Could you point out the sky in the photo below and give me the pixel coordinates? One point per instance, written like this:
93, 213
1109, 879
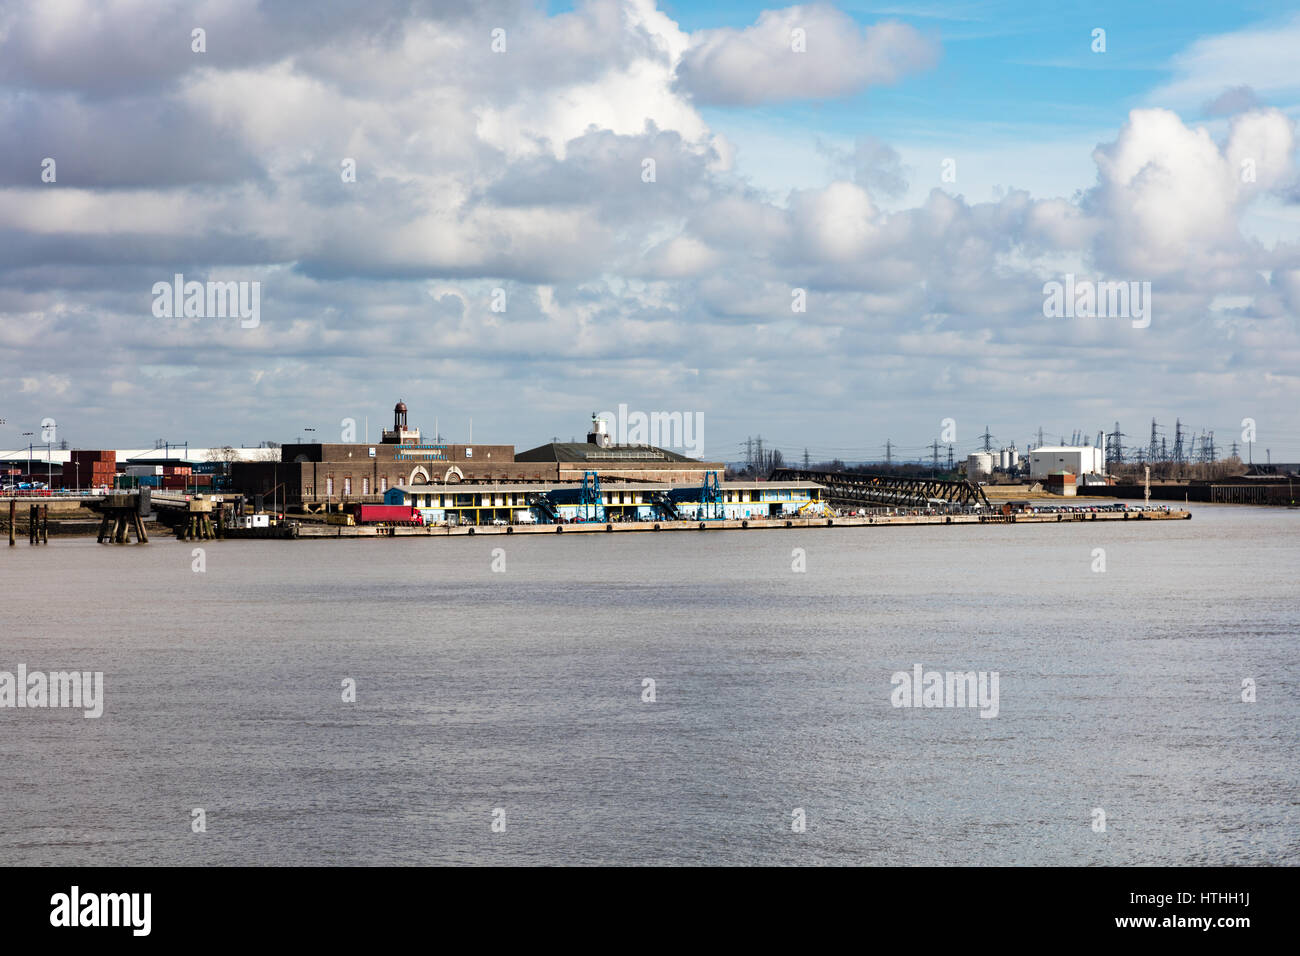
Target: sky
831, 225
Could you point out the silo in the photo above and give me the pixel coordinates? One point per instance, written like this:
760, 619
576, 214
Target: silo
979, 465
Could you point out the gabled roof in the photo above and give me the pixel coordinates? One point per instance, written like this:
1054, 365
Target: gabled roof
597, 455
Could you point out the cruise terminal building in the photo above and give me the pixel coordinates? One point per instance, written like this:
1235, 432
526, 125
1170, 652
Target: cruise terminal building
482, 483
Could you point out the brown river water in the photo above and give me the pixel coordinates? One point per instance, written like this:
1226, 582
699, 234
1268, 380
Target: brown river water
520, 691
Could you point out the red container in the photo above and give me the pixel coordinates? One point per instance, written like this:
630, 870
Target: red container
82, 454
372, 513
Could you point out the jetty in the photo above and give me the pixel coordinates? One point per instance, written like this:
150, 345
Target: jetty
314, 529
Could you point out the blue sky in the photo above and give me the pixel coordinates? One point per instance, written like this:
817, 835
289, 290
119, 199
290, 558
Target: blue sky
917, 176
1012, 75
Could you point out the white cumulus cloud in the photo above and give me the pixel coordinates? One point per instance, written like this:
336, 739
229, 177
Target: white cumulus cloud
803, 52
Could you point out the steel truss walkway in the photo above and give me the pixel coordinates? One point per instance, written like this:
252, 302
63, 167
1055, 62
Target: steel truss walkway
847, 488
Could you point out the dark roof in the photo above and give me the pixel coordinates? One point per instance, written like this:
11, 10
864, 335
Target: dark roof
573, 451
1275, 470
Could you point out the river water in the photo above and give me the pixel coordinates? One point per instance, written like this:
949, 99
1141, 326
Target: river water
516, 696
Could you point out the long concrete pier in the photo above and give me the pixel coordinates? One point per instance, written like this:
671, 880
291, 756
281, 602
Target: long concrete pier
319, 530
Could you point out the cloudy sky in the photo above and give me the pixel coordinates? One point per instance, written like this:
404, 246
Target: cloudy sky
560, 208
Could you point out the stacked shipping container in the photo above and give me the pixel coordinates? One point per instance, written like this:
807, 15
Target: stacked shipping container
168, 477
90, 469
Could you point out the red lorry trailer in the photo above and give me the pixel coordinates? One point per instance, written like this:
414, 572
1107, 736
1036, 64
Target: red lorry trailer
370, 514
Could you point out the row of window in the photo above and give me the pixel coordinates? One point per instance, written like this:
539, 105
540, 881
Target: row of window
519, 499
489, 500
469, 501
347, 486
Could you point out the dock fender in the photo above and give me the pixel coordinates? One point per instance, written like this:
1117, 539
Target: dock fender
559, 529
471, 530
656, 527
609, 527
948, 520
789, 524
701, 525
509, 530
744, 524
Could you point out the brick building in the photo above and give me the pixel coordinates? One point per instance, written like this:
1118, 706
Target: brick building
320, 475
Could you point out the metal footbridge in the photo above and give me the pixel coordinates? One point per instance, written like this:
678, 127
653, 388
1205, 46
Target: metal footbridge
853, 489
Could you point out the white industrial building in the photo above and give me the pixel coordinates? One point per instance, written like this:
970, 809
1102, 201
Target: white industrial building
1076, 459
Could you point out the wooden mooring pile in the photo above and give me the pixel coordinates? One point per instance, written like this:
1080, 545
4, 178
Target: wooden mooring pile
197, 524
38, 524
121, 514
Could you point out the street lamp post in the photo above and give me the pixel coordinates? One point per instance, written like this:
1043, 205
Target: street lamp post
29, 454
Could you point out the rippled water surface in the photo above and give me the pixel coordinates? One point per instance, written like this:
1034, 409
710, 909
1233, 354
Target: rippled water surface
522, 690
